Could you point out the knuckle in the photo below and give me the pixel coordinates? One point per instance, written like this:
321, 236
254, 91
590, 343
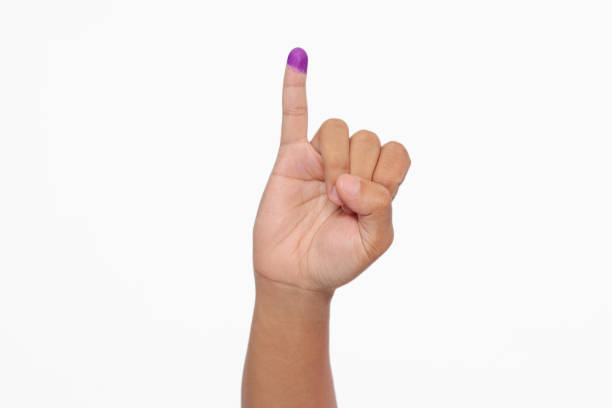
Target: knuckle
334, 125
366, 137
398, 151
395, 161
397, 148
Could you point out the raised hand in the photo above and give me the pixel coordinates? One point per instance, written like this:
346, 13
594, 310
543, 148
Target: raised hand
325, 215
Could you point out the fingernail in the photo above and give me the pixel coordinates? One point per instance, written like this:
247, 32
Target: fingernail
351, 184
334, 197
298, 59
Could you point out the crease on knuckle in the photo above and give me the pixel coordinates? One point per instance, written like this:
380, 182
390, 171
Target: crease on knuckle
295, 111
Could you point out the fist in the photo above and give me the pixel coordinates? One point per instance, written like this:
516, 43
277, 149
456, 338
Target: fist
325, 214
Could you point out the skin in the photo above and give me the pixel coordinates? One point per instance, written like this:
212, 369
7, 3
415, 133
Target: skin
324, 217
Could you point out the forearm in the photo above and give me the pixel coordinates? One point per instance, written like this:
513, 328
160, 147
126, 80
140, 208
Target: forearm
287, 363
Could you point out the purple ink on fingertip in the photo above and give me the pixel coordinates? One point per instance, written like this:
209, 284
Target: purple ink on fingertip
298, 59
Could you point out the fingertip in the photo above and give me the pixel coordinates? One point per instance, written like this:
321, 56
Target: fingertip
298, 60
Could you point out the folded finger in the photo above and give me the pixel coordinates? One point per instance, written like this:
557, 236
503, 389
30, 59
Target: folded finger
364, 152
332, 141
393, 164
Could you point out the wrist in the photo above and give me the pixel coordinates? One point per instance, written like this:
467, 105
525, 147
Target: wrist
281, 301
288, 359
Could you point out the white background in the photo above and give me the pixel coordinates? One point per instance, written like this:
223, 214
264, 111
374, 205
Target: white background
136, 138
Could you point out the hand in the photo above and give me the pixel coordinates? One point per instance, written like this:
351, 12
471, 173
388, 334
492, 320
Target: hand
325, 215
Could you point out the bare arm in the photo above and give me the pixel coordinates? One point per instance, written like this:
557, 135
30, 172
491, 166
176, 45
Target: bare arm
287, 363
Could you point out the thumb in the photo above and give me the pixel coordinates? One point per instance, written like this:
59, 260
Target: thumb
372, 204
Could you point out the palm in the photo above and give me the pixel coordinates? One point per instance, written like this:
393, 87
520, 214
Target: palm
300, 236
